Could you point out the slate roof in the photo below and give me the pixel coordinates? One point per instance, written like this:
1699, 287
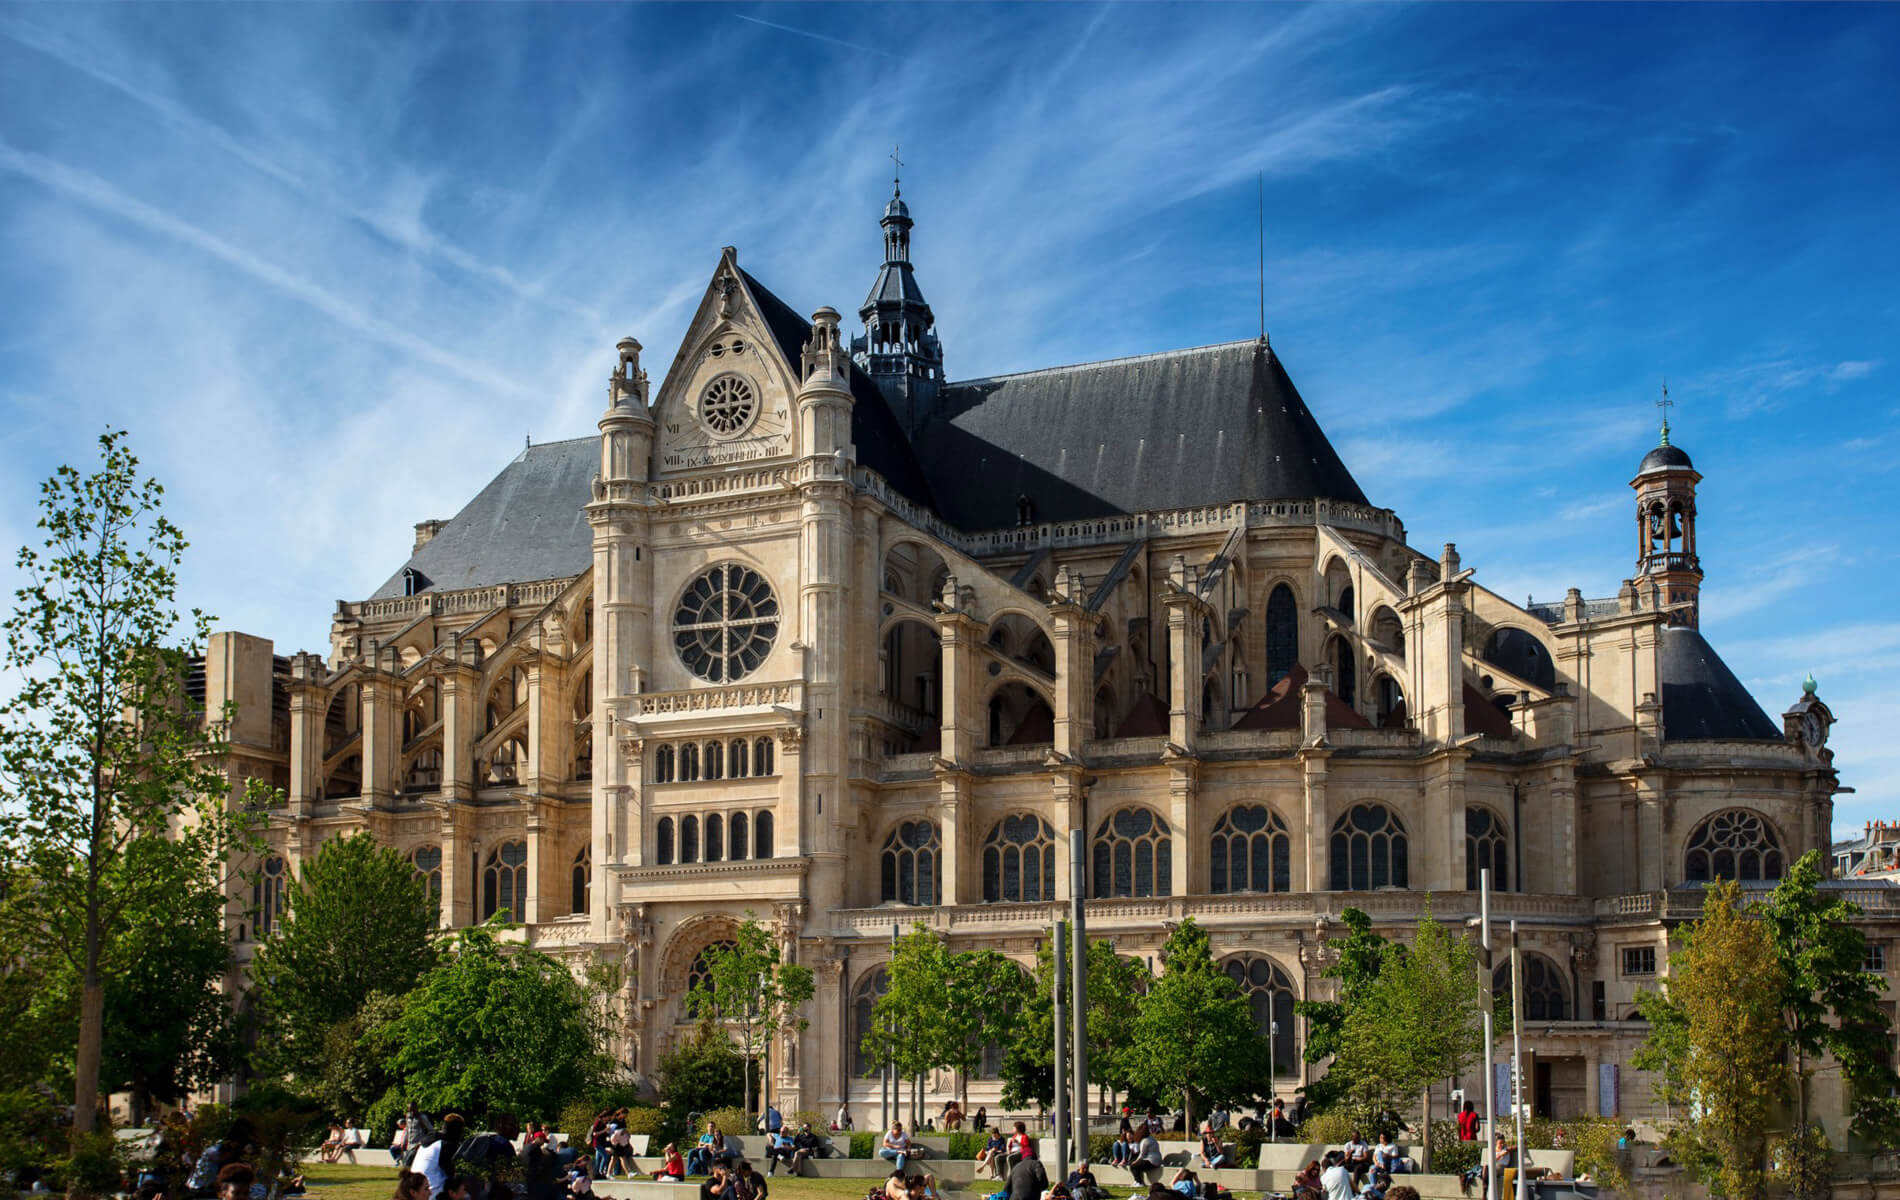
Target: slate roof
1175, 430
1702, 700
1664, 457
526, 524
874, 430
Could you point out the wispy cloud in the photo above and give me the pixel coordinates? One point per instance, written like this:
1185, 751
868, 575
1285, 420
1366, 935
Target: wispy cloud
818, 37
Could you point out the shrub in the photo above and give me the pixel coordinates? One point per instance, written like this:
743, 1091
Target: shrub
964, 1144
1449, 1155
1099, 1146
731, 1120
1599, 1157
1330, 1128
29, 1134
1246, 1147
575, 1119
809, 1116
645, 1119
94, 1166
863, 1145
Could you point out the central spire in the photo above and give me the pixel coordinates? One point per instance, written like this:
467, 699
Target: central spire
899, 349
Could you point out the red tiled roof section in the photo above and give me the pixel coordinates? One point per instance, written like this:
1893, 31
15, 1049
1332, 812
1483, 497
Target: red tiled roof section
1482, 716
1280, 707
1147, 718
1038, 727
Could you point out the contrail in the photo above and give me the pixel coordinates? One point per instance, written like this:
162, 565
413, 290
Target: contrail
821, 37
101, 196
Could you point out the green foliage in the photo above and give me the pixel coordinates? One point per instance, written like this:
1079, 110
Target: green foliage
486, 1032
288, 1125
1595, 1141
355, 1073
1114, 998
101, 746
29, 1132
1801, 1161
92, 1166
965, 1144
731, 1119
1415, 1022
749, 990
863, 1144
701, 1073
1451, 1156
1195, 1036
1246, 1143
1729, 986
357, 921
1830, 1006
645, 1119
1360, 954
1100, 1145
1333, 1127
903, 1020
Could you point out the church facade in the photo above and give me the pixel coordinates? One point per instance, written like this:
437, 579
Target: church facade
813, 633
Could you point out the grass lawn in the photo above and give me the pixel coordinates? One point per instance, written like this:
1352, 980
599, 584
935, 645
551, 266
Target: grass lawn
375, 1179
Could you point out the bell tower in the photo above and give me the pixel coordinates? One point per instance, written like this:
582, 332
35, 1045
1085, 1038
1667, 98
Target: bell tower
1665, 526
899, 349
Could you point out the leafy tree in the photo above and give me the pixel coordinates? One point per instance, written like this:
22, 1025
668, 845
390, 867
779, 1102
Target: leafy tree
983, 991
1359, 957
357, 922
751, 991
1195, 1034
1417, 1022
101, 745
1726, 987
1830, 1005
1115, 989
700, 1074
904, 1020
488, 1031
355, 1073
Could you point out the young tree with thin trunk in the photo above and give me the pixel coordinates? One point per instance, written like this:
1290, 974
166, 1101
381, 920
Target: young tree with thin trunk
101, 745
752, 991
1195, 1037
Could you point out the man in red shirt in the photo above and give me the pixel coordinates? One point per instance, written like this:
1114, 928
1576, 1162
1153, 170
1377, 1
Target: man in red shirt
1468, 1123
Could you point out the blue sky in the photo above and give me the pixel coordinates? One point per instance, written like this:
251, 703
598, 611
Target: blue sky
330, 264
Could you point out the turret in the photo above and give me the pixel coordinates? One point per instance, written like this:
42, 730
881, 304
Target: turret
824, 398
1665, 527
626, 428
899, 349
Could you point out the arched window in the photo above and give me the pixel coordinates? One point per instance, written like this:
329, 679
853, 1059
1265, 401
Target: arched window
1347, 606
736, 758
267, 894
582, 898
736, 836
762, 836
715, 837
427, 860
911, 863
699, 976
863, 1000
1545, 995
505, 881
1283, 634
1250, 852
663, 842
689, 763
1133, 855
663, 765
762, 757
1270, 994
1485, 846
715, 760
1019, 860
1368, 850
1345, 670
689, 839
1736, 844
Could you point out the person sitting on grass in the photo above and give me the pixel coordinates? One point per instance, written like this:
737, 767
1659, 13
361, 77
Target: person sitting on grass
1377, 1186
1082, 1184
923, 1187
897, 1186
672, 1165
1185, 1182
1306, 1183
748, 1184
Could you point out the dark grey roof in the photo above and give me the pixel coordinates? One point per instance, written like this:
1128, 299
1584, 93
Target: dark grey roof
1174, 430
880, 441
896, 283
1664, 457
526, 524
1702, 700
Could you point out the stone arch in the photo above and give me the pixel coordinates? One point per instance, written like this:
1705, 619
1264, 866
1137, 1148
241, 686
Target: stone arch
1282, 630
1368, 849
687, 942
1487, 844
1271, 993
1388, 701
916, 566
870, 985
1387, 629
1020, 712
1022, 641
1523, 654
1546, 989
1338, 590
1132, 854
911, 656
1250, 850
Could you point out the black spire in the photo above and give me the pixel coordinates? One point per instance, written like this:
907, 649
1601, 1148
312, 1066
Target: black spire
899, 349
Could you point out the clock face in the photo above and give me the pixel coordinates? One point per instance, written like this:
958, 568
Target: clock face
730, 417
1813, 729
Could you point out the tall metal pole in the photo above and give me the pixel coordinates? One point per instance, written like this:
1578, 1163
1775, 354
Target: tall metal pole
1517, 1059
1079, 1006
1490, 1054
1057, 977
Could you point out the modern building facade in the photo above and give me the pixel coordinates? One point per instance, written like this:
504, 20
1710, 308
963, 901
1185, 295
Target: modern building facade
812, 632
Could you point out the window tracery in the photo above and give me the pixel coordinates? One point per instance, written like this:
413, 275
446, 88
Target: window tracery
1250, 851
1133, 855
1019, 860
1369, 850
1737, 844
910, 864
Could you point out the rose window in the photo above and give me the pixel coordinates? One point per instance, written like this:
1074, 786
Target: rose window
728, 405
726, 623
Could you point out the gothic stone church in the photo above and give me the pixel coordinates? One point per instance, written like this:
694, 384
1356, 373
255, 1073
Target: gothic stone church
813, 632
